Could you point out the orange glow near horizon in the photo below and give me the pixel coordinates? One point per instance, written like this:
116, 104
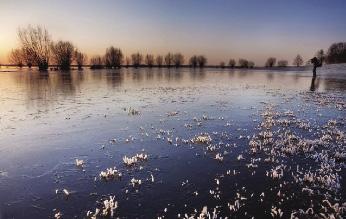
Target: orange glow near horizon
215, 54
7, 43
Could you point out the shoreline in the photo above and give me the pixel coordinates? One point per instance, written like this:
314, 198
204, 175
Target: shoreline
173, 67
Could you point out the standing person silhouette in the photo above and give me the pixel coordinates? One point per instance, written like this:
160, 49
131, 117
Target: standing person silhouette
317, 63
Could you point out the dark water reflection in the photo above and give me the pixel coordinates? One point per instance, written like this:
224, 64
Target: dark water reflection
37, 85
49, 119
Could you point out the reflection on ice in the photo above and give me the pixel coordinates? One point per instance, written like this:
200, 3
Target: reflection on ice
167, 143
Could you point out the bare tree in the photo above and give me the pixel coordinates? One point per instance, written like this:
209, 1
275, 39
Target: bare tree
282, 63
231, 63
251, 64
270, 62
127, 61
16, 57
194, 61
80, 58
96, 62
136, 59
159, 61
113, 57
243, 63
149, 60
169, 59
28, 58
178, 60
337, 53
201, 60
36, 42
63, 52
298, 60
222, 64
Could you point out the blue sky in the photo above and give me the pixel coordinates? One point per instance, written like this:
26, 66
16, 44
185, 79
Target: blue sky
220, 29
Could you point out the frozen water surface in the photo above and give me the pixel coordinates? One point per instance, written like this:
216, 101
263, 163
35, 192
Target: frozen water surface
198, 143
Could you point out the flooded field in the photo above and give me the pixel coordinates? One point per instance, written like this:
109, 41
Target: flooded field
173, 143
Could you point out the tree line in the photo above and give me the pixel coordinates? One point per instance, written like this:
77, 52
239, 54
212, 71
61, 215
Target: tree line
114, 58
271, 62
36, 48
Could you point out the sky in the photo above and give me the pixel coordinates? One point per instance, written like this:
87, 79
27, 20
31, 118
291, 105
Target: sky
219, 29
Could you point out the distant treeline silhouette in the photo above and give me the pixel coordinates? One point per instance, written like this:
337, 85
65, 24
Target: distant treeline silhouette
36, 48
336, 53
